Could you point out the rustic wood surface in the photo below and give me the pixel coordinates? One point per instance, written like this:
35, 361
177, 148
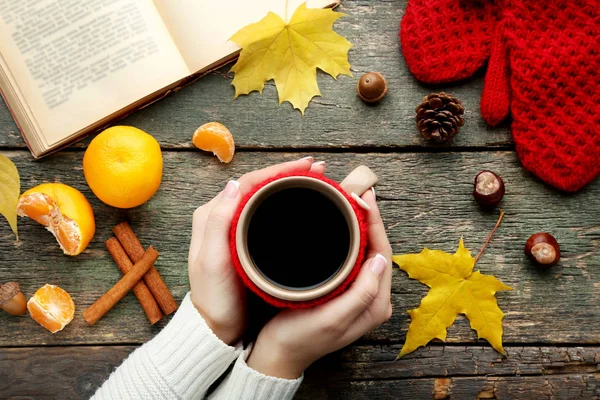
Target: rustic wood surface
552, 323
358, 372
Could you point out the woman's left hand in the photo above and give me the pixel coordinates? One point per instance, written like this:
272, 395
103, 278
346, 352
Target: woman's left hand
216, 290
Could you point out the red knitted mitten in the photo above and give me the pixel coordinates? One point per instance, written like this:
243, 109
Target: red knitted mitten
545, 67
447, 40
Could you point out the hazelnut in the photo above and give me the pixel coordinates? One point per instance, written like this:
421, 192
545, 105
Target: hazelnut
372, 87
11, 299
543, 249
488, 189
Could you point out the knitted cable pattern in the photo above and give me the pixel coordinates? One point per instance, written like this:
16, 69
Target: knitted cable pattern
553, 50
495, 99
361, 215
447, 40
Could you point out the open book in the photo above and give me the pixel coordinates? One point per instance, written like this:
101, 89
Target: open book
71, 67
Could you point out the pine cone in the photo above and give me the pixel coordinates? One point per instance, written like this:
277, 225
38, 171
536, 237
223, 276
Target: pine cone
439, 117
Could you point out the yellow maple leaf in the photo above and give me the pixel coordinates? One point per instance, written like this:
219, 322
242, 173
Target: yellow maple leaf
10, 188
290, 53
454, 289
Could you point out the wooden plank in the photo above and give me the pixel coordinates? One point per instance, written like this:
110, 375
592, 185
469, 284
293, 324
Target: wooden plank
357, 372
571, 386
57, 372
338, 119
425, 200
364, 362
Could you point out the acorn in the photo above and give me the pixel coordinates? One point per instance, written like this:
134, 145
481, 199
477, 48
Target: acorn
11, 299
543, 249
488, 189
372, 87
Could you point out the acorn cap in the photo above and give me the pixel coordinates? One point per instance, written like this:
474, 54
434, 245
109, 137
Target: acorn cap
372, 87
8, 291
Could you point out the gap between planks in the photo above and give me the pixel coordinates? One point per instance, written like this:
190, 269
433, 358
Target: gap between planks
499, 147
359, 343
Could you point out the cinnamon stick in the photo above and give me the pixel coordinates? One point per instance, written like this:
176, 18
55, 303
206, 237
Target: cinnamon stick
140, 289
125, 284
135, 250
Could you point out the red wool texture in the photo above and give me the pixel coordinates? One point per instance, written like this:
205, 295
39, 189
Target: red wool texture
362, 222
447, 40
544, 70
547, 72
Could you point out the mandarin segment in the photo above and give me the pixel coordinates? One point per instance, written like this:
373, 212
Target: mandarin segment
215, 137
36, 206
51, 307
64, 211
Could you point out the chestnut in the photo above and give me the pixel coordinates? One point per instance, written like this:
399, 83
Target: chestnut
488, 189
11, 299
543, 249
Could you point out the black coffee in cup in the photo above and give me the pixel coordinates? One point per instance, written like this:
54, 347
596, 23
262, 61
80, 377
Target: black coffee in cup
298, 238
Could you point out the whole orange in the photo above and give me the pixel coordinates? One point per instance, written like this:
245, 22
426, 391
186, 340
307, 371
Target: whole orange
123, 166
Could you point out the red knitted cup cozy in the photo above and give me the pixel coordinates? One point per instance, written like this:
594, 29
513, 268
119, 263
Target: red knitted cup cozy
544, 69
361, 215
447, 40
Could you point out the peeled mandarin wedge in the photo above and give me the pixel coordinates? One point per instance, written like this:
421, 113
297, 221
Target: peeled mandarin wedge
64, 211
51, 307
215, 137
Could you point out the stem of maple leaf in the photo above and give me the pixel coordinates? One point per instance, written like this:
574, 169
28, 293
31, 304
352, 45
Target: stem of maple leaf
285, 14
490, 236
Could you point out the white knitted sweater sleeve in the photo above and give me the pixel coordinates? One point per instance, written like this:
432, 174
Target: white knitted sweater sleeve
184, 360
244, 383
181, 362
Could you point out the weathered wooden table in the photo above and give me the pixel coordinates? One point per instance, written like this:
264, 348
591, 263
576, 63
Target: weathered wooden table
552, 323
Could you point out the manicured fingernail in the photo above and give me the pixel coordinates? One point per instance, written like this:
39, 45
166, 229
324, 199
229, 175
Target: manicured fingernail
360, 201
373, 191
378, 264
309, 158
320, 163
232, 189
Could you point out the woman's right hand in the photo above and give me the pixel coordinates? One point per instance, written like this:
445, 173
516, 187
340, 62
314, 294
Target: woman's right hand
294, 339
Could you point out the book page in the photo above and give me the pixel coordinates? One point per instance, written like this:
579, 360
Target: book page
78, 61
202, 28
